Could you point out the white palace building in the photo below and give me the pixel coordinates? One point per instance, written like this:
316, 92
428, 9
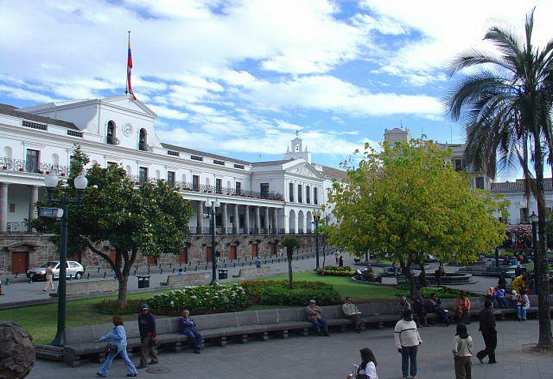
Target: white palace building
258, 200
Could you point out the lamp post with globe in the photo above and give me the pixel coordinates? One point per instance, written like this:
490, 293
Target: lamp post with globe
51, 182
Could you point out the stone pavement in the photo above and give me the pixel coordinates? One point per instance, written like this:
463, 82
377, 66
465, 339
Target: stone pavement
331, 358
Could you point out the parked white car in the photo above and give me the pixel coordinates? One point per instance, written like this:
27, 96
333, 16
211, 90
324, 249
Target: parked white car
74, 270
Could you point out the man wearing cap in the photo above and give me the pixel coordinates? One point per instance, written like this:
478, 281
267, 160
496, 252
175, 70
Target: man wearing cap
147, 327
314, 315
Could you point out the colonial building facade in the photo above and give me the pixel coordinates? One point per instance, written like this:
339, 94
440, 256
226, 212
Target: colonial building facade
259, 201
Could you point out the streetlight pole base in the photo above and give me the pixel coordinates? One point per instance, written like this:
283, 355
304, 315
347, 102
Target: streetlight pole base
59, 339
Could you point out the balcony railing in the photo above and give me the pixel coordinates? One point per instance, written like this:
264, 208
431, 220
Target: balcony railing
208, 189
31, 167
17, 227
206, 230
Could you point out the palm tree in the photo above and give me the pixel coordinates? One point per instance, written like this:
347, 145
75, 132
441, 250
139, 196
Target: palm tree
507, 108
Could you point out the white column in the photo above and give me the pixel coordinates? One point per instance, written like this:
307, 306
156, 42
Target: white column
267, 220
225, 218
3, 207
236, 220
257, 220
275, 220
247, 207
286, 221
32, 205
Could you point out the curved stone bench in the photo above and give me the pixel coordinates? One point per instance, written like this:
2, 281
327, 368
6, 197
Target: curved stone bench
81, 342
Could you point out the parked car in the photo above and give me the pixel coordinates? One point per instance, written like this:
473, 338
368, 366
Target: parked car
74, 270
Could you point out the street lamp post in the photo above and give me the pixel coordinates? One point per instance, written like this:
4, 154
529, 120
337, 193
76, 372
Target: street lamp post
316, 219
80, 183
213, 204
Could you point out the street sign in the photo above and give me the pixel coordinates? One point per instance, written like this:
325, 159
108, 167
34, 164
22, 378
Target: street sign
50, 212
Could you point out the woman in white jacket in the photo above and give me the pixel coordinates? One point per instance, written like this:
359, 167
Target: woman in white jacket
407, 341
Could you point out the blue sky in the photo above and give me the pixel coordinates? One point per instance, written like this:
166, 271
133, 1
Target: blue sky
240, 77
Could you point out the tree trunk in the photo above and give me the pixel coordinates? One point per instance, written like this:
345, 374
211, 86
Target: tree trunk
411, 279
122, 295
290, 278
540, 269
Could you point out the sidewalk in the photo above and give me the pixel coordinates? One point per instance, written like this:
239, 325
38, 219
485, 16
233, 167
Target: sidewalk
32, 292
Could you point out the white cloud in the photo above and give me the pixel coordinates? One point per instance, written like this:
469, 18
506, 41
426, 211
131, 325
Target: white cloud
449, 28
328, 93
23, 94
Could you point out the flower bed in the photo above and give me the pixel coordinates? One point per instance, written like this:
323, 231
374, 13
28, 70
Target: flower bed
270, 292
201, 300
337, 271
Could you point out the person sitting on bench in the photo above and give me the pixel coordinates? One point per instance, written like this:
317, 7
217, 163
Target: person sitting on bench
353, 313
315, 317
188, 327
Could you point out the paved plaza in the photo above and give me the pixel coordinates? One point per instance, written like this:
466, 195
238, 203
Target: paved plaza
331, 358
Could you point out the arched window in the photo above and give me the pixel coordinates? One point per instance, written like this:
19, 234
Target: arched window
143, 140
55, 162
7, 157
8, 152
111, 133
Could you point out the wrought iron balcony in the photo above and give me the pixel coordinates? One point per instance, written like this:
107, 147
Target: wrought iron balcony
31, 167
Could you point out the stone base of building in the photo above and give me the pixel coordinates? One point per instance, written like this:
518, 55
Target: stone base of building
19, 252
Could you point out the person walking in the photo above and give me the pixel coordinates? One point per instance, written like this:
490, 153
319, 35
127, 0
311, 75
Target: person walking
147, 328
367, 368
117, 340
523, 304
49, 285
407, 340
489, 333
462, 353
315, 316
188, 327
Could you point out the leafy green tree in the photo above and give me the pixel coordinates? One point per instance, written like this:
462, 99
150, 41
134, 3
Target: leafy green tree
406, 202
506, 100
151, 219
291, 244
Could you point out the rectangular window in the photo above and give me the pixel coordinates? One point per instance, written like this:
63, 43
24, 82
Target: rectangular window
34, 125
219, 185
32, 160
315, 196
74, 133
142, 175
524, 215
264, 189
291, 192
196, 182
173, 153
171, 178
300, 193
308, 194
12, 208
480, 182
196, 158
459, 165
238, 186
240, 166
221, 163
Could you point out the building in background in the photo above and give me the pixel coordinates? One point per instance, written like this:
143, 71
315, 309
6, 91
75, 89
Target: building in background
259, 200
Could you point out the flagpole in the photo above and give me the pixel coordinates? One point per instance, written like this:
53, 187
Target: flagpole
126, 71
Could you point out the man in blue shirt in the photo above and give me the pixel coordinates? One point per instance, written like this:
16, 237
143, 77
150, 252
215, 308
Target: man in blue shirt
188, 327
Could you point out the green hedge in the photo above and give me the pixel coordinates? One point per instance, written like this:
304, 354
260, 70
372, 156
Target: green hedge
277, 293
201, 300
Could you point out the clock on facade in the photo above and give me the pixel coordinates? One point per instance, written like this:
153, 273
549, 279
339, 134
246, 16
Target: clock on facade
127, 130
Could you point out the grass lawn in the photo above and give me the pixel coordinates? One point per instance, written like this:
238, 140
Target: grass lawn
40, 320
346, 287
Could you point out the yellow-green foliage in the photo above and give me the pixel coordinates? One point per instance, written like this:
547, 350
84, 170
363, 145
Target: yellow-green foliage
407, 201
